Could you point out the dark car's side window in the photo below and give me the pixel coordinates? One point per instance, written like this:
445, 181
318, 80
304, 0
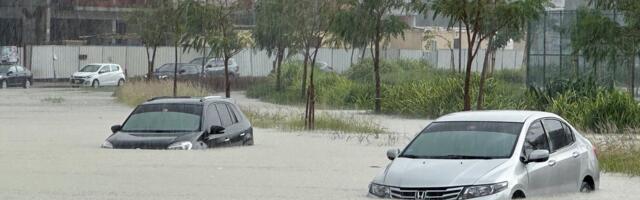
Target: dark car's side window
19, 69
234, 117
213, 118
569, 133
225, 117
557, 134
536, 138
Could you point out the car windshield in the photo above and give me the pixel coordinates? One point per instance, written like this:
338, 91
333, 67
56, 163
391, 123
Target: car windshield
164, 118
465, 140
169, 67
197, 61
90, 68
4, 68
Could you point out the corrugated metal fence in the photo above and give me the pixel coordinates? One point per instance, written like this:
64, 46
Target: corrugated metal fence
69, 59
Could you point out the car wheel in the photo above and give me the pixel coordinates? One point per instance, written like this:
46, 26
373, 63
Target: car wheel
586, 187
4, 84
95, 84
27, 84
120, 82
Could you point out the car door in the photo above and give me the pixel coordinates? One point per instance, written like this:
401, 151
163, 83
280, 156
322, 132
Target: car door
212, 119
539, 173
240, 130
115, 74
12, 76
21, 75
231, 127
565, 156
103, 75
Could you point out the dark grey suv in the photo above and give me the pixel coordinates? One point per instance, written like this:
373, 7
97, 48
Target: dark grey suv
182, 123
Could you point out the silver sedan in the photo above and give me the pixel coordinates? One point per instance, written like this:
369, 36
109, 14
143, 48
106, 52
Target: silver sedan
490, 155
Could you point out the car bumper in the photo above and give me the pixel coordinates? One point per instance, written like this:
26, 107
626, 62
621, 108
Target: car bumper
503, 195
80, 82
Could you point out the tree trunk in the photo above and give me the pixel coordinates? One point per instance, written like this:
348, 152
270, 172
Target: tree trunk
453, 60
311, 95
149, 72
279, 56
227, 84
305, 63
483, 75
493, 62
175, 71
633, 75
467, 77
376, 70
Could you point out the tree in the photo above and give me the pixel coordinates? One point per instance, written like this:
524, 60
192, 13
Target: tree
315, 18
371, 22
151, 30
200, 28
274, 30
430, 36
480, 19
604, 39
226, 41
176, 19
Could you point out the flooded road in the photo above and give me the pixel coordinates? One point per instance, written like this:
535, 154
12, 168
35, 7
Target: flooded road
49, 149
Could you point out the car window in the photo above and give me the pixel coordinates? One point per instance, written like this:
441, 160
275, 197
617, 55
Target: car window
536, 138
115, 68
105, 69
568, 133
213, 118
234, 117
12, 69
225, 117
19, 69
557, 135
164, 118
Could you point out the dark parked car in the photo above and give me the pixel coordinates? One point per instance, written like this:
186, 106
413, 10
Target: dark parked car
15, 75
182, 123
185, 70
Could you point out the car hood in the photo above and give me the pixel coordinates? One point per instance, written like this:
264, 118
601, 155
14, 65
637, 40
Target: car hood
133, 140
84, 73
406, 172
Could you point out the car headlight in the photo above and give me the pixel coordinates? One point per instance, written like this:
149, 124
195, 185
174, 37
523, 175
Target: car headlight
107, 145
483, 190
180, 146
378, 190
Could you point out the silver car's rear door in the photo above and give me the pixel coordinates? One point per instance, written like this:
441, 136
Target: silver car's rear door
565, 156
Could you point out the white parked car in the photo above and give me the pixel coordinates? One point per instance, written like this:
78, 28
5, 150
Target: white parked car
99, 74
491, 155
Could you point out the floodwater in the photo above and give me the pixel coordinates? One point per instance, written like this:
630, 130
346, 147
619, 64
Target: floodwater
50, 150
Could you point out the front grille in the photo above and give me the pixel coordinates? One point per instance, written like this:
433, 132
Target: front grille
440, 193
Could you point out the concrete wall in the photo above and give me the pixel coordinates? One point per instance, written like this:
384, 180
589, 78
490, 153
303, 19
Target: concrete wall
252, 62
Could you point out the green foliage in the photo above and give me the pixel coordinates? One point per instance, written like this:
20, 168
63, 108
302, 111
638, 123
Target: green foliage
324, 121
136, 92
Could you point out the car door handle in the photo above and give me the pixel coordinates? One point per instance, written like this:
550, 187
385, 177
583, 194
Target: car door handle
551, 163
226, 139
242, 134
575, 154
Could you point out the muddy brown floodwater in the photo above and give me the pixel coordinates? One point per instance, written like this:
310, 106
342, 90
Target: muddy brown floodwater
50, 150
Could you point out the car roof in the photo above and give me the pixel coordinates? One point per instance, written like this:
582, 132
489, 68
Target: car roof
495, 116
101, 64
187, 100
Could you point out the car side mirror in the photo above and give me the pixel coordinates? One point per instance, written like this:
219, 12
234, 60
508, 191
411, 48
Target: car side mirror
116, 128
216, 130
9, 73
182, 71
393, 153
538, 156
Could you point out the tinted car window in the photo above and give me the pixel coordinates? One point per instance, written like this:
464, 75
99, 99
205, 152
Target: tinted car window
19, 69
213, 118
234, 117
225, 117
115, 68
569, 134
159, 118
459, 140
536, 138
90, 68
12, 69
557, 134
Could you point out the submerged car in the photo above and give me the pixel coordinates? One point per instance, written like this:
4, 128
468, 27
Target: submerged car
15, 75
490, 155
215, 68
182, 123
185, 71
98, 75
